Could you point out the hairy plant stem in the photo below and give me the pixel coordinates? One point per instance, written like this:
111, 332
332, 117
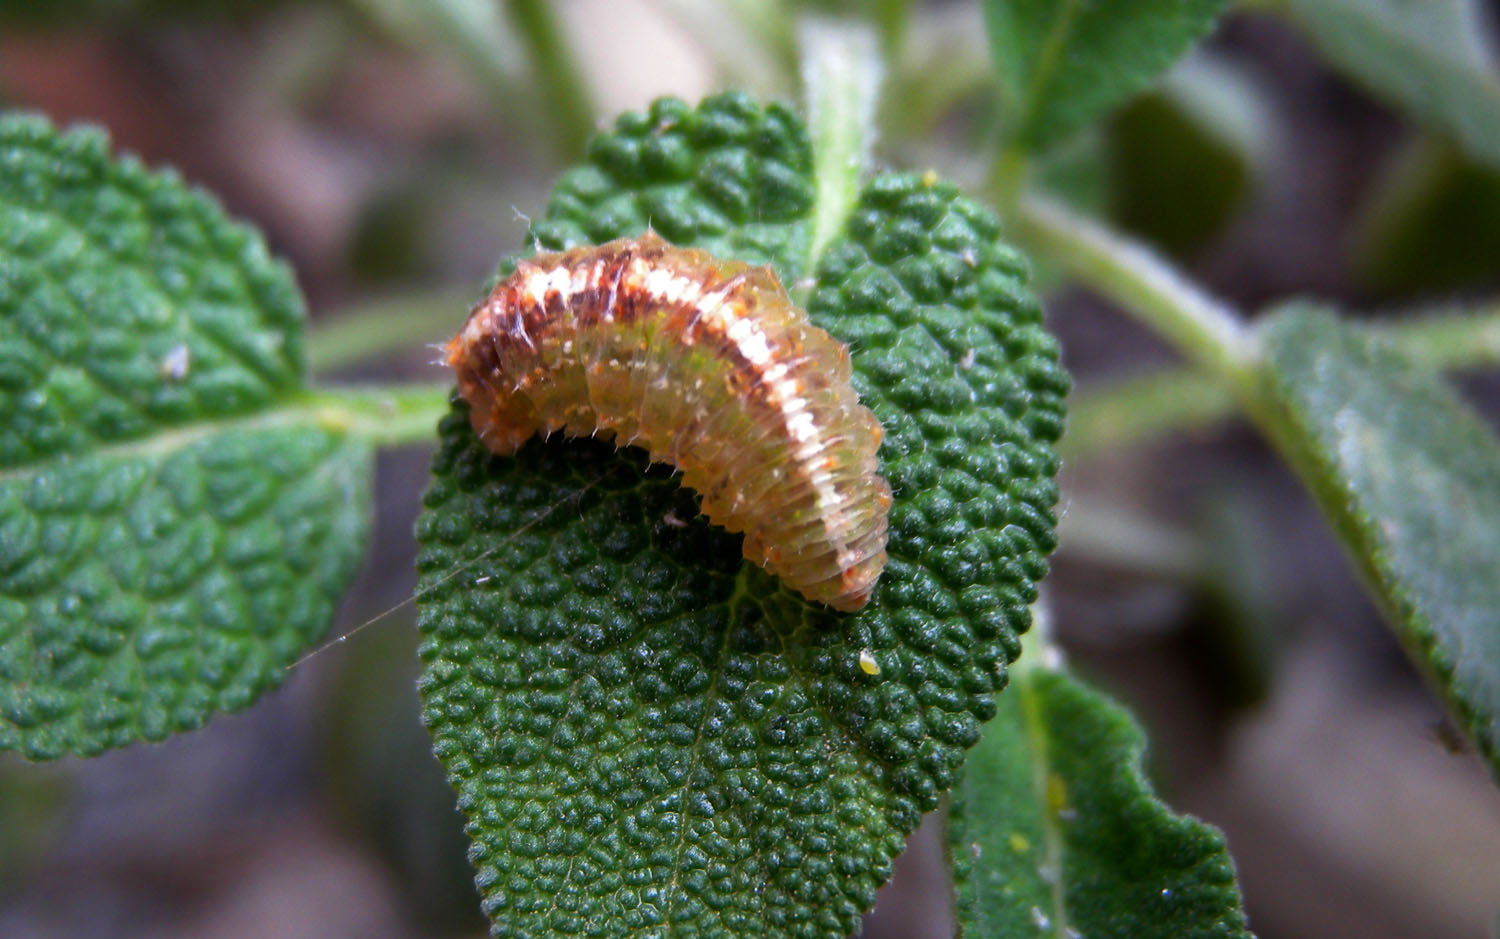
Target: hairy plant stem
1206, 331
841, 75
382, 415
1133, 410
1225, 370
386, 327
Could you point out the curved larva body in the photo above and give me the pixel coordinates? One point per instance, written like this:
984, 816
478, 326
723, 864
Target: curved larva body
708, 366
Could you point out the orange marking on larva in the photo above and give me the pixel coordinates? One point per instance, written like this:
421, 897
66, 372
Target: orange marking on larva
708, 366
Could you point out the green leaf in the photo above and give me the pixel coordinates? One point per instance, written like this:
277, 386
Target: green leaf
1410, 479
1432, 224
1202, 136
1055, 831
1064, 63
175, 525
650, 736
1428, 57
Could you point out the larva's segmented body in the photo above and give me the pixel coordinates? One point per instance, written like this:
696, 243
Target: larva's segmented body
709, 366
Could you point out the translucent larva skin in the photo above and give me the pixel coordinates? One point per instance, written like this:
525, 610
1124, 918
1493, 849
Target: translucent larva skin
708, 366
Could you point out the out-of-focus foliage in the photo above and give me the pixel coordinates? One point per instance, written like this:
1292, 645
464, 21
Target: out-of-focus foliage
1431, 58
1184, 156
1063, 65
55, 14
1433, 223
1410, 479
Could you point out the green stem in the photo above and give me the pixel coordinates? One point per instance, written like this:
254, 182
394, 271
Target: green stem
1127, 411
1133, 410
384, 416
557, 73
1007, 176
370, 331
841, 78
1453, 340
1204, 330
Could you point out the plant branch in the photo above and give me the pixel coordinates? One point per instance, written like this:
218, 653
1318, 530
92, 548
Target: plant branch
558, 75
1128, 411
841, 79
1457, 339
1133, 410
893, 17
1207, 332
1109, 533
385, 416
370, 331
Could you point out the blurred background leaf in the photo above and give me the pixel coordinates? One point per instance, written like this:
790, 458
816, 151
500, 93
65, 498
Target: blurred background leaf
1434, 59
1062, 65
1409, 477
1432, 223
1184, 156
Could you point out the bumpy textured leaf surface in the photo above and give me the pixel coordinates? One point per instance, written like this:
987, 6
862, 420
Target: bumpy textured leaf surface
169, 539
1429, 57
1410, 478
650, 737
1063, 63
1054, 830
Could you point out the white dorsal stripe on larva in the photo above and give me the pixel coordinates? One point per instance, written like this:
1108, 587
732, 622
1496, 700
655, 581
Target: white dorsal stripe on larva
670, 287
535, 291
583, 275
756, 349
773, 375
711, 305
799, 421
752, 343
